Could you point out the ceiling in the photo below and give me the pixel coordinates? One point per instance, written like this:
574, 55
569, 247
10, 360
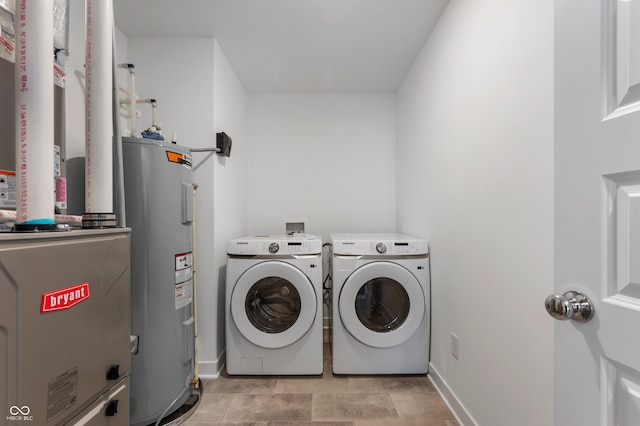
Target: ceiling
297, 45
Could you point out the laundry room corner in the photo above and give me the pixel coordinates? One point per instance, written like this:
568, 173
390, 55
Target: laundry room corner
314, 212
199, 90
229, 187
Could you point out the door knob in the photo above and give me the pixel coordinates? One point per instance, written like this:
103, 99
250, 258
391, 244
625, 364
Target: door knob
571, 305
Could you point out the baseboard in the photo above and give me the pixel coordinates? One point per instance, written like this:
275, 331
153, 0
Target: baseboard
462, 415
211, 369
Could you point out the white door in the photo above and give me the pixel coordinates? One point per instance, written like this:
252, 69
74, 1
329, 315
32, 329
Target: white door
597, 210
273, 304
382, 304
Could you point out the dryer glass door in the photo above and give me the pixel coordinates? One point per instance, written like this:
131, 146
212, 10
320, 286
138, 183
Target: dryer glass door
273, 304
382, 304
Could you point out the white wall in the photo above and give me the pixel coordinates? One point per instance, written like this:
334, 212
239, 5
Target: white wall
475, 177
326, 157
198, 94
178, 73
230, 198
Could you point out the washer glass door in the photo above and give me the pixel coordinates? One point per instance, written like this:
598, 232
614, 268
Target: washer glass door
382, 304
273, 304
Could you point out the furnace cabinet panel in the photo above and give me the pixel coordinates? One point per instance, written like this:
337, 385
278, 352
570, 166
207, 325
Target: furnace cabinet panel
65, 326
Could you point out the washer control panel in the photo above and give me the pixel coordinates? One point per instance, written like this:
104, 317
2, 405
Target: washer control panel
275, 245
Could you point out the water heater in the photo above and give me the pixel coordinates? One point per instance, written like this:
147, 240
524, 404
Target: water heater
159, 209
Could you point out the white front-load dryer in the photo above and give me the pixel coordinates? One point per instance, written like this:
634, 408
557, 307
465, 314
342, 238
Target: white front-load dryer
274, 305
381, 304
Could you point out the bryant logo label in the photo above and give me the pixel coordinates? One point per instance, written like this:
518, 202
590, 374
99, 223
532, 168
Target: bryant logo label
64, 298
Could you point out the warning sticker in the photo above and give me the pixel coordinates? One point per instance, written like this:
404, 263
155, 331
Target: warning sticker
61, 192
56, 161
184, 267
7, 31
184, 279
179, 158
7, 189
184, 294
62, 393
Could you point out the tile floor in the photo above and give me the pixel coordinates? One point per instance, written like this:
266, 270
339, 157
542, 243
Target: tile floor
321, 401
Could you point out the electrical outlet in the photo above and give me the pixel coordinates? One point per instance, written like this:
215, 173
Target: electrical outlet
454, 345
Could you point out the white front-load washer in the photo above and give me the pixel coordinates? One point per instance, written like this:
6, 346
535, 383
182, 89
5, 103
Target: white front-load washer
381, 304
274, 305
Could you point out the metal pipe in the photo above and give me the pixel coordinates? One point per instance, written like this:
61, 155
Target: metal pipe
204, 149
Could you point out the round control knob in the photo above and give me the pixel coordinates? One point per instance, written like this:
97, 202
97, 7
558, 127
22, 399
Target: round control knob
274, 247
381, 248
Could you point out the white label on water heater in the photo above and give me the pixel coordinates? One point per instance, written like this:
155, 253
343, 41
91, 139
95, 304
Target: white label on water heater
184, 267
184, 294
184, 279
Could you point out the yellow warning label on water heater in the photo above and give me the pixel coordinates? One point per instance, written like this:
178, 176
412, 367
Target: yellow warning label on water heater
179, 158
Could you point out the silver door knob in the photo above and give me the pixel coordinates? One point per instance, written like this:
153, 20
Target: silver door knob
571, 305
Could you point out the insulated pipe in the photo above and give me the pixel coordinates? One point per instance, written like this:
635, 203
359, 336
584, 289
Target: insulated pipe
99, 117
34, 115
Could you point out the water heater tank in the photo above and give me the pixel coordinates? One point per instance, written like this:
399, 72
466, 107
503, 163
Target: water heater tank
159, 210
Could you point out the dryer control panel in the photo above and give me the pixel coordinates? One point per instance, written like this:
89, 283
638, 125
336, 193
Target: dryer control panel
378, 244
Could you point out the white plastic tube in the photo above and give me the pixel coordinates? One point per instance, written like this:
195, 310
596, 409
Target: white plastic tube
99, 119
34, 112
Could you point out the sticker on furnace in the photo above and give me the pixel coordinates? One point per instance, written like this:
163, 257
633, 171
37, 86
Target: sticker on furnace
64, 298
